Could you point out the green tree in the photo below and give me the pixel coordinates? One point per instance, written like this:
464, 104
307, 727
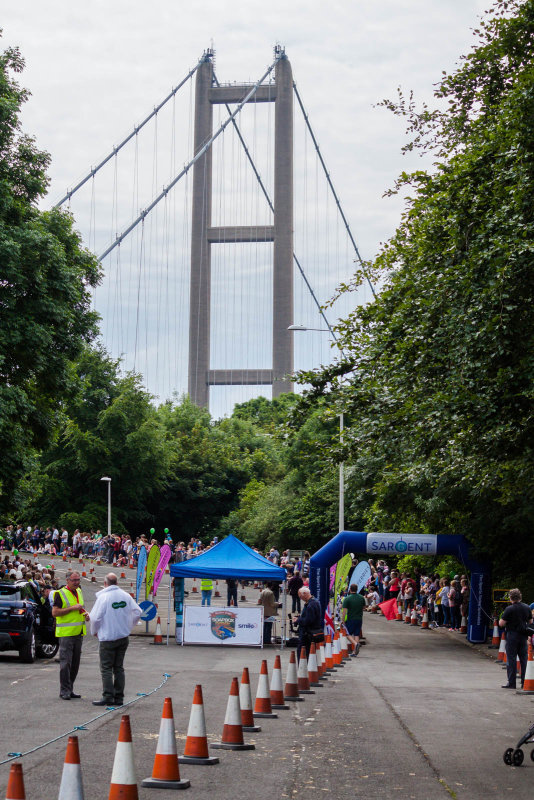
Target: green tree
44, 293
109, 427
441, 367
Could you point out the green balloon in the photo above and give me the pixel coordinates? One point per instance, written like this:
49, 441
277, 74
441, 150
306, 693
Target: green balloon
165, 530
152, 530
15, 552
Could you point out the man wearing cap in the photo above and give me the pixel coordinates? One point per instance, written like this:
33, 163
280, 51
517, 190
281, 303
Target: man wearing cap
113, 616
70, 615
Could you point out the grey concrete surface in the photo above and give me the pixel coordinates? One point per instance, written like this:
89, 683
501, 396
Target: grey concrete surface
419, 714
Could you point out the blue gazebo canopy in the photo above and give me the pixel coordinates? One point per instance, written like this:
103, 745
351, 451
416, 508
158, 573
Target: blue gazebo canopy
229, 559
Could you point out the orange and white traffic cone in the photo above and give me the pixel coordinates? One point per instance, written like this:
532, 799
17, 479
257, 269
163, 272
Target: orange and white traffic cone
496, 637
194, 590
158, 638
501, 657
413, 620
245, 701
321, 662
424, 622
277, 689
408, 617
166, 772
398, 618
217, 592
196, 743
502, 648
123, 575
123, 781
313, 667
329, 658
15, 783
71, 787
291, 688
528, 683
463, 624
336, 651
262, 706
344, 645
232, 737
303, 679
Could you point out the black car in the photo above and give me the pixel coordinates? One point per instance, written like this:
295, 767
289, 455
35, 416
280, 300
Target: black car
26, 622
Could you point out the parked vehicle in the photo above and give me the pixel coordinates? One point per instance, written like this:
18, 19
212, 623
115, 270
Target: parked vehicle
26, 622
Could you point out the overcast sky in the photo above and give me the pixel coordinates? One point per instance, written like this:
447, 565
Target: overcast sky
96, 68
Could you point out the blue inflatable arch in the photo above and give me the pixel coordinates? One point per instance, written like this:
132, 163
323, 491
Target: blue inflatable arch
382, 545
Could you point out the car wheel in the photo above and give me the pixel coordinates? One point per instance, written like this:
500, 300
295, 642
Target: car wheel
47, 649
27, 652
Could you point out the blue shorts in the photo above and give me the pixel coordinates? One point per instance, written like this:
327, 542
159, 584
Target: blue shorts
354, 626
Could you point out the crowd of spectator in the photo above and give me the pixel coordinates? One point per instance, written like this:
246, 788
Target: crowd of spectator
445, 600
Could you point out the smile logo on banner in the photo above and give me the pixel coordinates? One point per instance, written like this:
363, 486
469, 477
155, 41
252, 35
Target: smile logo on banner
401, 546
223, 624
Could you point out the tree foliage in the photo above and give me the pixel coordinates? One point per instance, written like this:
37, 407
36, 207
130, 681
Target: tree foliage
44, 297
442, 388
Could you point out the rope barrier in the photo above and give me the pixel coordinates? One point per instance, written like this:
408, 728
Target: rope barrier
83, 726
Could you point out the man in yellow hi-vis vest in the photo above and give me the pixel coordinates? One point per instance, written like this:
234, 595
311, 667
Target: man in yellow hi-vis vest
70, 616
206, 588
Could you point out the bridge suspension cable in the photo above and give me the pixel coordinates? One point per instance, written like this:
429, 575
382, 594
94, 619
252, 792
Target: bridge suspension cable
130, 136
191, 163
329, 181
271, 206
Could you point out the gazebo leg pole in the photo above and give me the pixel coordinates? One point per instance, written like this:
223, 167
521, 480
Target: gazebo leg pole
284, 615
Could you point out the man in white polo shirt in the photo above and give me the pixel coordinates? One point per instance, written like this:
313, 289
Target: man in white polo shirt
112, 617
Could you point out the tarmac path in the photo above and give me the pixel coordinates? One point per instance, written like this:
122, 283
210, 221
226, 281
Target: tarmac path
418, 715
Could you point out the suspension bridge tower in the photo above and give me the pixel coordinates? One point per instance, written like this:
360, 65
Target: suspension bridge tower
280, 233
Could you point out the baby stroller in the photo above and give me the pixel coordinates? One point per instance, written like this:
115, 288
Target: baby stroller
514, 756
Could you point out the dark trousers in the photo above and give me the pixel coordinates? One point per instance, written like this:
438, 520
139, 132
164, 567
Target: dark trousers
70, 651
231, 594
112, 669
305, 640
295, 604
267, 631
516, 645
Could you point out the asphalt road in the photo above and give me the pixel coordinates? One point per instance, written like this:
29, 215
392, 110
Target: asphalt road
419, 714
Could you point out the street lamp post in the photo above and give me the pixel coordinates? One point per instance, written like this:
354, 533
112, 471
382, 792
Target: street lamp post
108, 480
341, 509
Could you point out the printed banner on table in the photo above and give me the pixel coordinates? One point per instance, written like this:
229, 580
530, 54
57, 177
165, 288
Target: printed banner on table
342, 571
228, 626
141, 564
164, 559
151, 565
